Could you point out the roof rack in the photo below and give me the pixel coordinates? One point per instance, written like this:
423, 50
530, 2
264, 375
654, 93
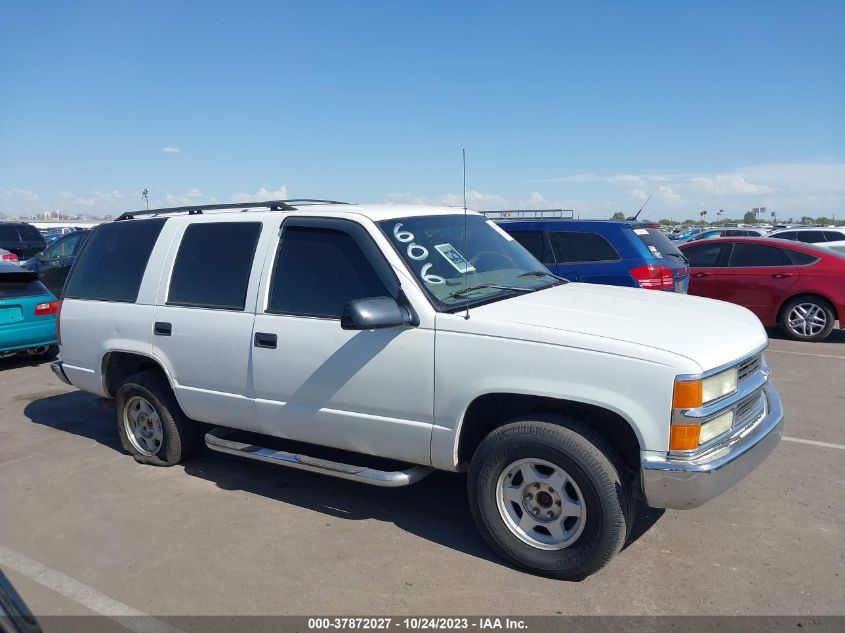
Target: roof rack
531, 214
273, 205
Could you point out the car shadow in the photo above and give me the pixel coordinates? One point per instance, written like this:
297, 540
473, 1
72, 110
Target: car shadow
21, 359
435, 509
836, 336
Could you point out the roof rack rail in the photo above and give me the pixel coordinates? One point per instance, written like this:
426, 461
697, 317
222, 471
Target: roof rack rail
273, 205
531, 214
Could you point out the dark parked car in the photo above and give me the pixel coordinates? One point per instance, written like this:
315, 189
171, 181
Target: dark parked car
618, 253
798, 287
22, 239
53, 264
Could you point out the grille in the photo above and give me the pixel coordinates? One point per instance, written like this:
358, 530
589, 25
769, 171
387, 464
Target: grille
750, 409
749, 367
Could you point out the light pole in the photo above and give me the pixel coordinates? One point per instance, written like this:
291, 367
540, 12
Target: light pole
145, 194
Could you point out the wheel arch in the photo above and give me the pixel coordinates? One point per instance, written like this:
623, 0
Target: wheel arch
117, 365
492, 410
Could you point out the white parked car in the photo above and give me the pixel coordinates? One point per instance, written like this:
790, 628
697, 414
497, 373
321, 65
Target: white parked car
827, 237
428, 337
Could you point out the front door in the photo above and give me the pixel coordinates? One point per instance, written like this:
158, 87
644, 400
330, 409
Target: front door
368, 391
758, 276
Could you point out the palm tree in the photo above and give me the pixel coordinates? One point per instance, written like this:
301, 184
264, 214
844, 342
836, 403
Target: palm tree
702, 214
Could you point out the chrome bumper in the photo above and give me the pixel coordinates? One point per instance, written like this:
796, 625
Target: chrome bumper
680, 484
56, 366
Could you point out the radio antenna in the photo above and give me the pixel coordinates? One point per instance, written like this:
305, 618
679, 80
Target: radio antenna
466, 238
637, 214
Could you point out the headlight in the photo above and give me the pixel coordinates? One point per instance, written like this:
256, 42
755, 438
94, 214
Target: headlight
715, 427
691, 394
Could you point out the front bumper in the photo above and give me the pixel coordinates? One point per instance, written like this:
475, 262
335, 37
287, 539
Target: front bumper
680, 484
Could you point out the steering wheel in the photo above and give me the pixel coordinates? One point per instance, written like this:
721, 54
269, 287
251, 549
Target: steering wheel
509, 263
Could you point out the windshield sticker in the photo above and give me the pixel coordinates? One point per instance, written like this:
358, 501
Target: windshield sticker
458, 261
500, 231
655, 252
640, 231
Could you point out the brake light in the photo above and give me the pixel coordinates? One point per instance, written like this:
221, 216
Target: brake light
654, 277
59, 322
46, 309
9, 257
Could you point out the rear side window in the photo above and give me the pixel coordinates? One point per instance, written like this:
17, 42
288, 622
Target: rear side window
29, 233
113, 260
536, 244
811, 237
8, 233
21, 284
571, 247
213, 265
750, 255
789, 235
704, 256
658, 244
318, 271
800, 259
834, 236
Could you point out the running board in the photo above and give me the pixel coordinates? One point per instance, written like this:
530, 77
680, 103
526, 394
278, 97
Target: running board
217, 440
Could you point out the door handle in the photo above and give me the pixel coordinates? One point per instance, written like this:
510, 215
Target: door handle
263, 339
782, 275
701, 274
162, 328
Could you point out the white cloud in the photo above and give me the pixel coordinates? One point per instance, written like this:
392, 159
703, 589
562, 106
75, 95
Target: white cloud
728, 184
536, 198
475, 199
261, 195
170, 150
190, 198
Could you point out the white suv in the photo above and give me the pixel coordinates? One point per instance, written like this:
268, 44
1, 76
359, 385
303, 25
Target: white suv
832, 238
404, 339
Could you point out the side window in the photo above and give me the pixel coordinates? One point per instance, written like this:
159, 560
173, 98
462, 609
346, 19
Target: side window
213, 265
570, 247
704, 256
834, 236
789, 235
811, 237
318, 271
751, 255
535, 243
63, 247
112, 264
8, 233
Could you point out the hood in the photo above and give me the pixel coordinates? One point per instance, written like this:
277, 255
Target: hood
708, 332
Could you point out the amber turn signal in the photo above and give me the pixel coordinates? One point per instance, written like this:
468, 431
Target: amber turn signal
684, 437
688, 394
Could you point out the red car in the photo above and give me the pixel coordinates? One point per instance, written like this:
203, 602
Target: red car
796, 286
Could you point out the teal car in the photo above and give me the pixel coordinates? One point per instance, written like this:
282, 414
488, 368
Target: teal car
27, 314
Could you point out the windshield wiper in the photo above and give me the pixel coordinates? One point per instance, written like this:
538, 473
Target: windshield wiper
458, 293
543, 273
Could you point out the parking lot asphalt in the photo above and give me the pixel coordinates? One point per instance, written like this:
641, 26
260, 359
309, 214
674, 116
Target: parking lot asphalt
85, 529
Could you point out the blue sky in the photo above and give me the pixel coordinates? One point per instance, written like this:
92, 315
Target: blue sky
591, 106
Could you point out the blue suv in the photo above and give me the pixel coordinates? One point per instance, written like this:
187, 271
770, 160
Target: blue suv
619, 253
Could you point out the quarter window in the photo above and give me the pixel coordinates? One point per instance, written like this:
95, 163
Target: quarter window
833, 236
113, 260
213, 265
800, 259
571, 247
318, 271
751, 255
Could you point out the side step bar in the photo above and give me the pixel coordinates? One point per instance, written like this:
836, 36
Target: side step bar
216, 439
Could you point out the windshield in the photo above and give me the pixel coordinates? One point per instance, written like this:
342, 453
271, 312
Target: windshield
457, 268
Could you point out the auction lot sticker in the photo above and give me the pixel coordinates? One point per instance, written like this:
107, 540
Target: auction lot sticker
454, 257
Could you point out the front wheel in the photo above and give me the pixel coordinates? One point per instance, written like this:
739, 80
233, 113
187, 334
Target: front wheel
549, 495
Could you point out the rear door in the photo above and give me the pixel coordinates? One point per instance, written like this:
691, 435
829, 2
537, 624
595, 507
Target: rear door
204, 314
758, 276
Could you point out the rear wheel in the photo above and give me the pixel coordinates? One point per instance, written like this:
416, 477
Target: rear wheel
151, 425
807, 318
548, 494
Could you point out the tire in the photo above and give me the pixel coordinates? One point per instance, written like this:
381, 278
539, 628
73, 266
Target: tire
562, 450
49, 353
150, 423
806, 318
